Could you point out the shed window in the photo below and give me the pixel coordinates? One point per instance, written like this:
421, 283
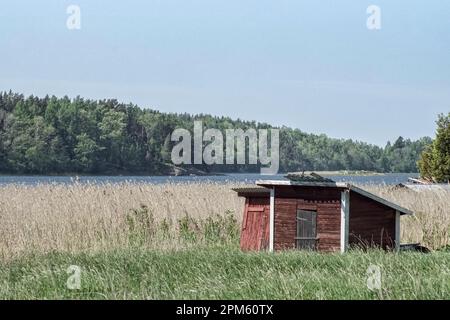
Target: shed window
306, 230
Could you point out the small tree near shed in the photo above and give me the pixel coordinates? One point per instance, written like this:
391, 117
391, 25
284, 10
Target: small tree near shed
434, 164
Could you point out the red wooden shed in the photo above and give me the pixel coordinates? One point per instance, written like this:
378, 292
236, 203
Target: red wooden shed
317, 214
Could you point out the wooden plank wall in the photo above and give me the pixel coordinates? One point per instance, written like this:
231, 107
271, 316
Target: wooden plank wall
255, 224
327, 203
371, 223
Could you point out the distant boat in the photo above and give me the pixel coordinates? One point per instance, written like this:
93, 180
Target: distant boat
75, 179
418, 181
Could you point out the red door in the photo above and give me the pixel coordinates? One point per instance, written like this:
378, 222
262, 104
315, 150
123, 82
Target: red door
255, 227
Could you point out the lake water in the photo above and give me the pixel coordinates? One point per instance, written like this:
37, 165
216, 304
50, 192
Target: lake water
388, 179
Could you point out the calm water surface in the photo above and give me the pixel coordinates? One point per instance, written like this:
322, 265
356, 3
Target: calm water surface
389, 179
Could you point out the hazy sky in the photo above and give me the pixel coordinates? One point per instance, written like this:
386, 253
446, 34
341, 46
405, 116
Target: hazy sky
312, 64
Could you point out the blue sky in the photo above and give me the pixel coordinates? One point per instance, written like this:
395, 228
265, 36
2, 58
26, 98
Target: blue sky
312, 65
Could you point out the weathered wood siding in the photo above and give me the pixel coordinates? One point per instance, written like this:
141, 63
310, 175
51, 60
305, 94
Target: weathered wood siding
327, 203
371, 223
255, 224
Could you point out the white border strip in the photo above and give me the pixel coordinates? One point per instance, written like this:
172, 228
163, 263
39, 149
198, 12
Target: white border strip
272, 218
397, 230
345, 217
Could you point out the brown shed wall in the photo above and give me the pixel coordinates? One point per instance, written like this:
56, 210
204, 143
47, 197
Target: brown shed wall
327, 203
371, 223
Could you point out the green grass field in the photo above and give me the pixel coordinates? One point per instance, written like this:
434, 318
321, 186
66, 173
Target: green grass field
136, 241
223, 272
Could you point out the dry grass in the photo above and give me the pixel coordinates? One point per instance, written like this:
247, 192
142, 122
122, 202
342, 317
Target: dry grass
92, 217
83, 217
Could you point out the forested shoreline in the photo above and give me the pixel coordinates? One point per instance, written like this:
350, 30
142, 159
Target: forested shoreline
53, 135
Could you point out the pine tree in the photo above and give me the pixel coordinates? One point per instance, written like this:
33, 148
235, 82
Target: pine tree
434, 164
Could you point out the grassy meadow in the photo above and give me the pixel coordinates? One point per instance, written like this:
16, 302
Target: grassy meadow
141, 241
223, 272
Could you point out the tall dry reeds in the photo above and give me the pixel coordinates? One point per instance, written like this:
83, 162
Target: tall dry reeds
89, 217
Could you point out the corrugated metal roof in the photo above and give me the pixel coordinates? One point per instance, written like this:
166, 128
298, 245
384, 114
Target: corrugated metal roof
301, 183
426, 187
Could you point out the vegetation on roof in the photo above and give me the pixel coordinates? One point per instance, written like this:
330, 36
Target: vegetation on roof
311, 177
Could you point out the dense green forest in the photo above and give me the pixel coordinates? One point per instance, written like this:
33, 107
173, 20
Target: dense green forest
53, 135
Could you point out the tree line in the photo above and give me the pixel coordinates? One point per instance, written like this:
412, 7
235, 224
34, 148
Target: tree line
53, 135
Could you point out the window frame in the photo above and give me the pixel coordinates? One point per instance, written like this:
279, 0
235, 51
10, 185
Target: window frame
309, 243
